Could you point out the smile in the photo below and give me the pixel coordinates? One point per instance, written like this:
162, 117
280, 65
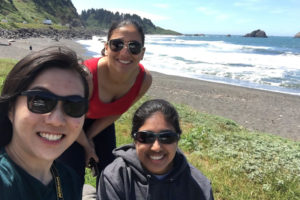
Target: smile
124, 61
156, 157
51, 137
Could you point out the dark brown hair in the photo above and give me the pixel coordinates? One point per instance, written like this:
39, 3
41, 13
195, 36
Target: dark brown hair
148, 108
25, 72
123, 23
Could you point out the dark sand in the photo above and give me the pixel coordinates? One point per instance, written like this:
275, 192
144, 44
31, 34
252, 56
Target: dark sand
259, 110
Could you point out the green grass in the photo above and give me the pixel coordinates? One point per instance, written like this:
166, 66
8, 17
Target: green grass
16, 25
5, 67
240, 164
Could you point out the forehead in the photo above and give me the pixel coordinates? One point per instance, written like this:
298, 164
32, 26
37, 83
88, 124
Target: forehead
127, 32
62, 82
156, 123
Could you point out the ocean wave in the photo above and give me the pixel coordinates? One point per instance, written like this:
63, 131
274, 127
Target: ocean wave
239, 61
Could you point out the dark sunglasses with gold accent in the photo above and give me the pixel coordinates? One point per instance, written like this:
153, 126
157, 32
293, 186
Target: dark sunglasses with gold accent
117, 45
149, 137
41, 102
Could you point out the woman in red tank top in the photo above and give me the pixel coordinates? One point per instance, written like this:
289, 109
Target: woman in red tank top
117, 81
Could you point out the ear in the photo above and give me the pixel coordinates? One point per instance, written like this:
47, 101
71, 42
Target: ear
11, 115
105, 49
142, 53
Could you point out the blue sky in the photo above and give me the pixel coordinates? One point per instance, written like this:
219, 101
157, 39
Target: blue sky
236, 17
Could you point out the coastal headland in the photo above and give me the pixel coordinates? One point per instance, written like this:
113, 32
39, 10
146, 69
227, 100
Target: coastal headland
258, 110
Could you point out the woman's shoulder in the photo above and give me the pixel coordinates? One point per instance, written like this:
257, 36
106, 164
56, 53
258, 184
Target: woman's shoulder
114, 168
188, 168
91, 61
6, 165
148, 77
125, 156
197, 175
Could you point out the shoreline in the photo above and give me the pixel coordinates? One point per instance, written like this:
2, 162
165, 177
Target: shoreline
258, 110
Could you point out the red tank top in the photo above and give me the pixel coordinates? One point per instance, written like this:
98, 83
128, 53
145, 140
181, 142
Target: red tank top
98, 109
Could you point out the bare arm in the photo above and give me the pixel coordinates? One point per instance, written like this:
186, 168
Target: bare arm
88, 146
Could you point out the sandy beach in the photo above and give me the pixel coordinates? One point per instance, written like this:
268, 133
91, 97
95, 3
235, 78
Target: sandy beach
264, 111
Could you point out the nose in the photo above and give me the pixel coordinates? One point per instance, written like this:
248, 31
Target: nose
125, 49
156, 146
57, 116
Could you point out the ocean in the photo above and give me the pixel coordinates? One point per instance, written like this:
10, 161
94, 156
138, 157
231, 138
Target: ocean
271, 63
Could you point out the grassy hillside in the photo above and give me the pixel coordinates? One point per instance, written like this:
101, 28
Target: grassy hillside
35, 11
32, 13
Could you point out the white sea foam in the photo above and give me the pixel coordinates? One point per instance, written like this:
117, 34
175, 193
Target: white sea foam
218, 61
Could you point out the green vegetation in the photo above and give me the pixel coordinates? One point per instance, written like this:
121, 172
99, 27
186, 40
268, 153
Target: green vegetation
5, 67
240, 164
32, 26
36, 11
103, 19
32, 13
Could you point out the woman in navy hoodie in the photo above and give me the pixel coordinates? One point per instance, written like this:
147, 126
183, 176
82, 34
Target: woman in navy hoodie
153, 167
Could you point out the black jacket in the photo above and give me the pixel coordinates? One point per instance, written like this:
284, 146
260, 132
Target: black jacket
126, 179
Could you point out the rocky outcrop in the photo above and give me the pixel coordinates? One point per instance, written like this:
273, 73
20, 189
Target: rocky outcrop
297, 35
256, 33
49, 33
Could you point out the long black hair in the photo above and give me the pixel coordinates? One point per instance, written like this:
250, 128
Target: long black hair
152, 106
122, 23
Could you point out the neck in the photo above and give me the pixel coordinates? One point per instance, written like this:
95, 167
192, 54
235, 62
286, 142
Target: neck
121, 78
33, 166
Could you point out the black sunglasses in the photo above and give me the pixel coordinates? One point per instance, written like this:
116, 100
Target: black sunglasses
41, 102
117, 45
149, 137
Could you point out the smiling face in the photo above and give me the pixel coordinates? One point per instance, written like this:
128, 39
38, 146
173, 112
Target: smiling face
156, 158
46, 136
123, 60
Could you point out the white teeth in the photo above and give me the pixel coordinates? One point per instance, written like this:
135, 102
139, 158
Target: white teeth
51, 137
156, 157
124, 61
